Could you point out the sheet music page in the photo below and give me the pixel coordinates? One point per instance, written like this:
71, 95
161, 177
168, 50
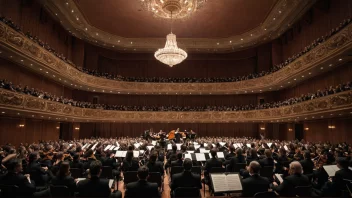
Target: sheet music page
205, 144
137, 145
197, 146
222, 143
169, 147
200, 157
84, 146
118, 153
248, 145
220, 154
95, 145
150, 147
110, 182
188, 156
235, 145
241, 144
213, 145
153, 142
195, 143
135, 153
233, 182
238, 145
286, 148
107, 147
331, 170
269, 144
141, 151
219, 182
278, 176
178, 146
190, 151
111, 148
123, 153
116, 148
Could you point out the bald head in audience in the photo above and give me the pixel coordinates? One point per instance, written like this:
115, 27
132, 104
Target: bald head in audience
295, 168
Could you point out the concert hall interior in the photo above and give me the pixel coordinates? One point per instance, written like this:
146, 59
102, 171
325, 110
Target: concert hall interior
186, 83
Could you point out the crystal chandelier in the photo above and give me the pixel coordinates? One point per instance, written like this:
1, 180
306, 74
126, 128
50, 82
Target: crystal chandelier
179, 8
170, 55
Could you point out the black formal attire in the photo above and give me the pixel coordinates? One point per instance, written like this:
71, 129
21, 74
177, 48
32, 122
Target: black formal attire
130, 165
156, 167
230, 155
76, 164
333, 189
18, 179
254, 184
95, 187
234, 161
266, 162
211, 163
249, 159
67, 181
177, 163
86, 164
282, 161
142, 188
178, 137
287, 187
185, 179
38, 174
307, 165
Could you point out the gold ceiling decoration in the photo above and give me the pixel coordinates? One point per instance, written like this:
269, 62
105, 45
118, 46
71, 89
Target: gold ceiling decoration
180, 9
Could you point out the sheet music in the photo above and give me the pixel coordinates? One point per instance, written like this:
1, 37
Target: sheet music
117, 144
286, 148
195, 143
200, 157
226, 183
137, 145
178, 146
197, 146
116, 148
269, 144
107, 147
111, 148
190, 151
222, 143
202, 150
95, 145
278, 176
238, 145
153, 142
169, 147
141, 151
248, 145
235, 145
135, 153
205, 144
241, 144
150, 147
188, 156
213, 145
220, 154
84, 146
111, 181
331, 170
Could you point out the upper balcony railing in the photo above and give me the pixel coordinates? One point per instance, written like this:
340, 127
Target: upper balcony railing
23, 105
27, 53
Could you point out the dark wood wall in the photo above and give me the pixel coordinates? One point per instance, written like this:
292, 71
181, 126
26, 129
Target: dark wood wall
20, 76
33, 130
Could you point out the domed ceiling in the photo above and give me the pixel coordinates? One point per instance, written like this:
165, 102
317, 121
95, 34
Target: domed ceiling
219, 25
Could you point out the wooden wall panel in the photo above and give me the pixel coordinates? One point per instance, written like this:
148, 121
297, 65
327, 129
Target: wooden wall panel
19, 75
33, 130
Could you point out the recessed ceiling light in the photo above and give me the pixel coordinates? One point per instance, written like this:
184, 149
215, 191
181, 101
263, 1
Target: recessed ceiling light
3, 112
217, 43
241, 39
274, 19
322, 68
40, 69
340, 59
280, 11
47, 72
18, 113
251, 34
72, 11
10, 56
330, 65
264, 28
294, 79
56, 14
131, 42
302, 76
66, 3
31, 64
288, 82
230, 41
309, 73
77, 18
21, 60
281, 86
110, 91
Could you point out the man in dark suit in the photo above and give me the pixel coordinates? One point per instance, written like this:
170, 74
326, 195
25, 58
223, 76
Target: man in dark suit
296, 178
254, 183
307, 163
15, 177
213, 162
94, 186
154, 165
268, 160
333, 187
186, 178
142, 188
177, 162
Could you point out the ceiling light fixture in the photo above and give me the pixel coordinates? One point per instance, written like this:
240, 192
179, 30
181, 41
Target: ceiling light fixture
170, 55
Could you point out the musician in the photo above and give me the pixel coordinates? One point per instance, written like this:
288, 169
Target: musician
94, 186
307, 163
142, 188
129, 163
39, 174
153, 165
296, 178
238, 159
282, 161
178, 136
268, 160
252, 155
177, 162
57, 163
171, 156
90, 157
333, 187
186, 178
76, 162
255, 183
211, 163
63, 178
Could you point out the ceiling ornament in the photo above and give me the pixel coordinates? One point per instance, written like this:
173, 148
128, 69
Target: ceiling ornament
180, 8
171, 55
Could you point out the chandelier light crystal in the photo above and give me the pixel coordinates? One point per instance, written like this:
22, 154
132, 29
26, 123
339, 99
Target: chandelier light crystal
179, 8
170, 55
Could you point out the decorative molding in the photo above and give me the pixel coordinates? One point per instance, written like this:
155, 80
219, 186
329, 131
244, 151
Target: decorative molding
285, 12
15, 43
26, 104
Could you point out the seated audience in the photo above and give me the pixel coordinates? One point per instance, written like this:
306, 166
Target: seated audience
142, 188
255, 183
